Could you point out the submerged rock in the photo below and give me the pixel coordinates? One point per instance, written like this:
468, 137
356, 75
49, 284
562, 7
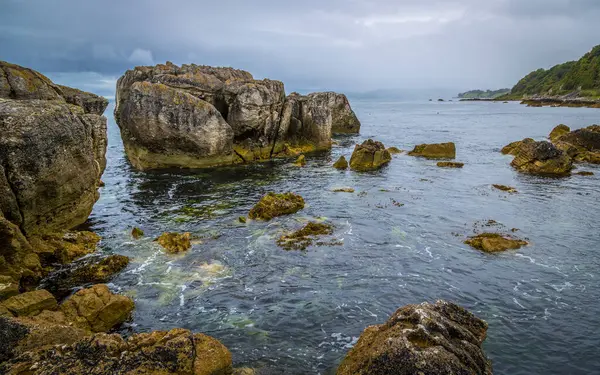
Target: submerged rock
370, 155
341, 163
31, 303
273, 205
494, 242
175, 242
304, 237
450, 164
53, 151
199, 116
584, 173
435, 151
343, 190
541, 158
505, 188
440, 338
558, 132
137, 233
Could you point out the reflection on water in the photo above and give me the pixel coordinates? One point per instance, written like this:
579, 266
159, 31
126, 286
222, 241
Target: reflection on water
301, 311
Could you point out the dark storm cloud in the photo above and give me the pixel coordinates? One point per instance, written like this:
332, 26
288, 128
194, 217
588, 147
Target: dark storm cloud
349, 44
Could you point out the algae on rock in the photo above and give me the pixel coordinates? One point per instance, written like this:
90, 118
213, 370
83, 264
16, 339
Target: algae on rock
273, 205
370, 155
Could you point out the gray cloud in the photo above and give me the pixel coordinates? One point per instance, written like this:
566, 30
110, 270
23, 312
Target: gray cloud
336, 44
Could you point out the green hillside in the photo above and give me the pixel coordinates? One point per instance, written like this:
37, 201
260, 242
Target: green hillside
581, 76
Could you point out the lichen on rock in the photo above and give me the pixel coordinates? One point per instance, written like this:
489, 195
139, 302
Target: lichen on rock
272, 205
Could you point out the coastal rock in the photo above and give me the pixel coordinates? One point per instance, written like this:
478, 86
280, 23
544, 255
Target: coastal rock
394, 150
341, 163
64, 247
505, 188
450, 164
52, 154
494, 242
97, 309
301, 161
137, 233
583, 145
370, 155
198, 116
558, 132
18, 261
273, 205
541, 158
435, 151
514, 147
175, 242
8, 287
304, 237
440, 338
176, 352
31, 303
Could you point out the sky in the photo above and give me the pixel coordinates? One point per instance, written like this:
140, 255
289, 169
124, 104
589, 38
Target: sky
343, 45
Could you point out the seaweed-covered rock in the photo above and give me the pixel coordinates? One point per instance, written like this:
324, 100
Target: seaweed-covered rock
31, 303
137, 233
435, 151
304, 237
450, 164
583, 145
558, 132
52, 151
176, 352
541, 158
175, 242
95, 269
505, 188
494, 242
370, 155
199, 116
273, 205
439, 338
341, 163
514, 147
97, 309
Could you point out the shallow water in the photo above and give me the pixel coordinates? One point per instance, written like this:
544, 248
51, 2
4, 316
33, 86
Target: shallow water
300, 312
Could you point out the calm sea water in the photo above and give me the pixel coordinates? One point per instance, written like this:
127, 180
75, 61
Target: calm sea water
300, 312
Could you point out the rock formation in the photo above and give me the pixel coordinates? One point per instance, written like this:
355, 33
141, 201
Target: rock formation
450, 164
369, 155
52, 151
440, 338
541, 158
558, 132
435, 151
199, 116
273, 205
583, 145
494, 242
341, 163
175, 243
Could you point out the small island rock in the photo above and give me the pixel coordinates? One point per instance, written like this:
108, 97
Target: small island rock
494, 242
175, 243
435, 151
273, 205
341, 163
541, 158
370, 155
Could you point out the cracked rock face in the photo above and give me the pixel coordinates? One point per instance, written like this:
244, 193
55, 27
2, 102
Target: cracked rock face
52, 151
439, 338
199, 116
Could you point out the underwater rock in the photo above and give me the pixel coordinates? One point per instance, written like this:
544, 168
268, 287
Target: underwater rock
435, 151
394, 150
137, 233
343, 190
370, 155
97, 309
541, 158
97, 269
301, 161
200, 116
494, 242
514, 147
583, 145
341, 163
53, 151
450, 164
304, 237
64, 247
178, 351
505, 188
31, 303
273, 205
175, 242
439, 338
584, 173
558, 132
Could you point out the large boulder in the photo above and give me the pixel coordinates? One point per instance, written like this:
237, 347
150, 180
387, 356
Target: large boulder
52, 151
369, 155
19, 264
198, 116
583, 145
541, 158
435, 151
31, 303
176, 352
439, 338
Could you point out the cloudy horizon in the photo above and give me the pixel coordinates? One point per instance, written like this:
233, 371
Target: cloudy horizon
350, 45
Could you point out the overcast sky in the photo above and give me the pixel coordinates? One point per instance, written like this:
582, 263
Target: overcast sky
353, 45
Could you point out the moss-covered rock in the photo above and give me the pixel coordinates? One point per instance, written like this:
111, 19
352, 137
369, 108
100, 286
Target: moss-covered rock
435, 151
505, 188
558, 132
541, 158
450, 164
440, 338
304, 237
175, 243
273, 205
341, 163
31, 303
137, 233
370, 155
494, 242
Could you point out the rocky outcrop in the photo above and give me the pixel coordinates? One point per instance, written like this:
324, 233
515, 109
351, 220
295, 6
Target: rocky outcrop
494, 242
435, 151
558, 132
370, 155
31, 303
450, 164
583, 145
198, 116
513, 148
341, 163
541, 158
175, 243
273, 205
19, 264
439, 338
51, 151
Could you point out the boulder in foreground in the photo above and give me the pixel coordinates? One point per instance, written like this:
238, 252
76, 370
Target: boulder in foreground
494, 242
439, 338
370, 155
273, 205
435, 151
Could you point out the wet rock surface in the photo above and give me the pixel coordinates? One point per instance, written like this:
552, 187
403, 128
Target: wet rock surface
175, 243
341, 163
370, 155
439, 338
541, 158
495, 242
435, 151
273, 205
304, 237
